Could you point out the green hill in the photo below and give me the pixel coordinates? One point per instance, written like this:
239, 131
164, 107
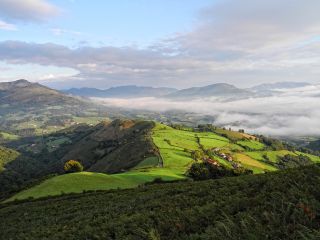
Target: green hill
109, 147
278, 205
139, 152
88, 181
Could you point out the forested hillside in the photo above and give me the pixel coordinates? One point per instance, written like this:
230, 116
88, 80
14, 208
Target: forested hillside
278, 205
106, 147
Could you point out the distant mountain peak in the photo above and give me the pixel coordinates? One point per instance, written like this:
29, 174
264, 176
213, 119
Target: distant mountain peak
19, 83
221, 90
24, 93
279, 85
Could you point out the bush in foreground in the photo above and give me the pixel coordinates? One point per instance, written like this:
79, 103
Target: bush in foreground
278, 205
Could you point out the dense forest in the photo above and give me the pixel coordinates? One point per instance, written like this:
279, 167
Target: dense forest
277, 205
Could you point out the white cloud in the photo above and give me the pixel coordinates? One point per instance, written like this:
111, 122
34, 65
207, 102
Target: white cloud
7, 26
293, 112
239, 42
28, 10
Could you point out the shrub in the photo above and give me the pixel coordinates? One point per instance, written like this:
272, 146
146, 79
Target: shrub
205, 170
72, 166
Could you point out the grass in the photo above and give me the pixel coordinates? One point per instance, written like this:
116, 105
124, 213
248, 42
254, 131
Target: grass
175, 147
171, 144
255, 165
230, 134
211, 140
315, 159
272, 155
148, 162
252, 144
78, 182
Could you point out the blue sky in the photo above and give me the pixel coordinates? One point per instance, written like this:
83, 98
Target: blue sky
176, 43
115, 22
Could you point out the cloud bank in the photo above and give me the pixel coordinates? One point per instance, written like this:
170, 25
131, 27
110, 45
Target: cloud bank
27, 10
294, 112
238, 42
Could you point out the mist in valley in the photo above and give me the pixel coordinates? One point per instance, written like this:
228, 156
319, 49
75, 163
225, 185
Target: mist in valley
288, 112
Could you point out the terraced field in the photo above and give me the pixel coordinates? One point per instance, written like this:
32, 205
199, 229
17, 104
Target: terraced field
255, 165
175, 149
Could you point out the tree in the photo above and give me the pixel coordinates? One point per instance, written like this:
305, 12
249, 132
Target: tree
72, 166
196, 155
199, 171
206, 170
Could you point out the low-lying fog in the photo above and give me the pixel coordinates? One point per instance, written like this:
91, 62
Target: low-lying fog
290, 112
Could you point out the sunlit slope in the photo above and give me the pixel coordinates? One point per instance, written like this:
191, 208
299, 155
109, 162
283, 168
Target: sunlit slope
172, 161
86, 181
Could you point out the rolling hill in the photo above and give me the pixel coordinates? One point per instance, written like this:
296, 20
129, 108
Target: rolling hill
28, 109
23, 93
113, 147
108, 147
278, 205
123, 152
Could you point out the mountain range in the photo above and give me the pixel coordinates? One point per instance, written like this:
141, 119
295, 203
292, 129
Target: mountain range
218, 90
121, 92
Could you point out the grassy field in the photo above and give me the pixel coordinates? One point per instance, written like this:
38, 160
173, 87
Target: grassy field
148, 163
252, 144
175, 157
78, 182
232, 134
211, 140
272, 155
255, 165
171, 144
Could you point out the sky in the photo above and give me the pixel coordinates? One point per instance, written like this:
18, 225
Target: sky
173, 43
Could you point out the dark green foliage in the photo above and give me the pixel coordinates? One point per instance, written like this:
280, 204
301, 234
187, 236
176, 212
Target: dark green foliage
290, 161
273, 144
205, 171
315, 145
199, 171
29, 168
280, 205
